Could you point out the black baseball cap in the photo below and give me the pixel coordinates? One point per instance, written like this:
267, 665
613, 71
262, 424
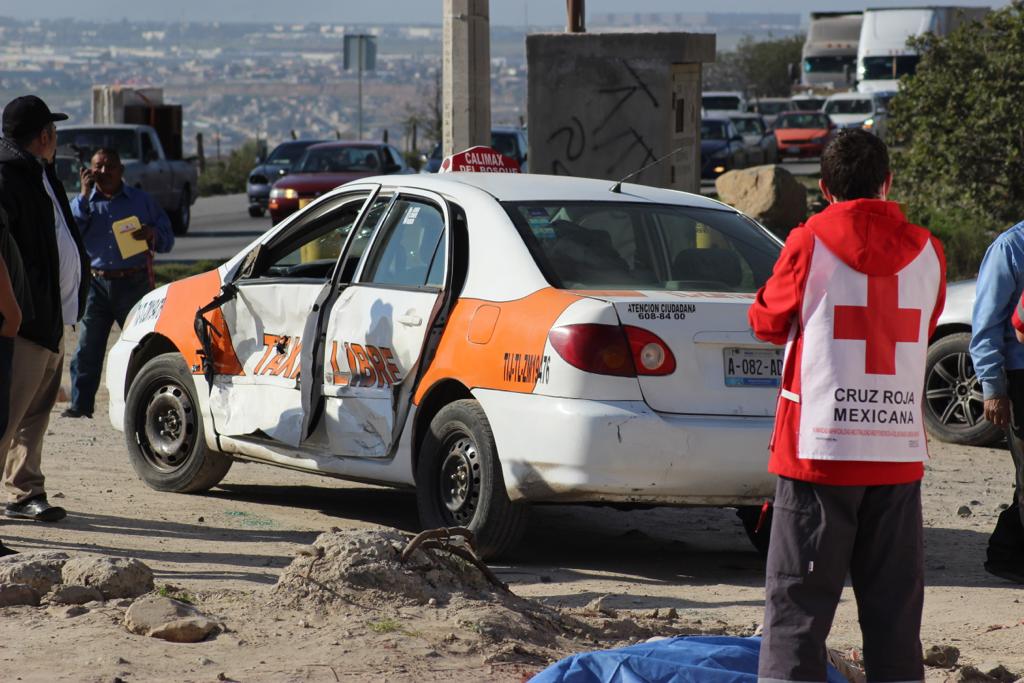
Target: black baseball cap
28, 115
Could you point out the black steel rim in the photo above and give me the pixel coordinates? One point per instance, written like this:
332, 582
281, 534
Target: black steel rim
169, 429
460, 479
953, 394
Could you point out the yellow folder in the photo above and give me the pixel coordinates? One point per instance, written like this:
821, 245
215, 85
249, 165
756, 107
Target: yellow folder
128, 245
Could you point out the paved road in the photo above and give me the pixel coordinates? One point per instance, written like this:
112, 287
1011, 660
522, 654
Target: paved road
221, 227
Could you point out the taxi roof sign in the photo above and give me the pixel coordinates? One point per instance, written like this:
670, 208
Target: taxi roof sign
479, 159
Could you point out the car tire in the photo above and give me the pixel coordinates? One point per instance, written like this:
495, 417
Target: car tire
256, 212
164, 430
181, 217
750, 515
953, 404
459, 480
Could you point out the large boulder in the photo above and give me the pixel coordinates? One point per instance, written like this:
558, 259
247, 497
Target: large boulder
768, 194
160, 617
114, 577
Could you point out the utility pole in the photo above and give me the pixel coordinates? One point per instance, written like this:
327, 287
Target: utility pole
466, 107
576, 11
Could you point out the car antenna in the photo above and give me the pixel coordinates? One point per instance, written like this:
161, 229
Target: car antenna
617, 187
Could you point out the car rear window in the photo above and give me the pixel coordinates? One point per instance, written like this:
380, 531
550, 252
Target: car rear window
613, 245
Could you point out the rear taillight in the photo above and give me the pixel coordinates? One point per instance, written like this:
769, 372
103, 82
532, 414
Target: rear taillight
591, 347
620, 351
650, 354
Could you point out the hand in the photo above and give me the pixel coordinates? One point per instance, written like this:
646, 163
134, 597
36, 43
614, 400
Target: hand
88, 181
11, 320
997, 411
146, 232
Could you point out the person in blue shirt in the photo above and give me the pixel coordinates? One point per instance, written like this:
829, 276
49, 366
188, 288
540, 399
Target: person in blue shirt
118, 283
999, 365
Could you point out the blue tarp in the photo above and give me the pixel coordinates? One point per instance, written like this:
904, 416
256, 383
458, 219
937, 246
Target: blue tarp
694, 659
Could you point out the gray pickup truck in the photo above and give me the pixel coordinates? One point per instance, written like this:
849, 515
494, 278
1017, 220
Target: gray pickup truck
172, 183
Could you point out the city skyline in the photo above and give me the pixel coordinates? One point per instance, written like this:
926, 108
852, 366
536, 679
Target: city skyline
503, 12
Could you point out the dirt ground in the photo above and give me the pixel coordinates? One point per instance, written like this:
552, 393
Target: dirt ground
226, 549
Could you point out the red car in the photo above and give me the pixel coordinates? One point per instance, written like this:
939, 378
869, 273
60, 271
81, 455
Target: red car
803, 133
325, 166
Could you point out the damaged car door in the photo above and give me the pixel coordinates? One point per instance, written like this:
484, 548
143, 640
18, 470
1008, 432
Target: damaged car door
268, 309
376, 329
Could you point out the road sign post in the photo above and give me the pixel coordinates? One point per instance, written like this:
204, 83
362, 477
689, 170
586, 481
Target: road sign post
361, 50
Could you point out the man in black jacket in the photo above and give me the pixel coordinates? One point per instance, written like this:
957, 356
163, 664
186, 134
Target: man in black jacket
12, 298
57, 274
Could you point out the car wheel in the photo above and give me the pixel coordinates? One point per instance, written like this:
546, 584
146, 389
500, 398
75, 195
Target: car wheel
750, 515
459, 482
953, 401
182, 217
256, 211
164, 430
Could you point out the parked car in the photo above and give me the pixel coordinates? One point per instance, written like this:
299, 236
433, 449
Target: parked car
803, 133
507, 140
268, 171
771, 107
489, 340
721, 148
171, 182
858, 110
760, 142
953, 401
715, 103
807, 102
326, 165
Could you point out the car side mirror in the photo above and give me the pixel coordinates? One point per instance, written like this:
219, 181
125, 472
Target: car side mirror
392, 168
254, 262
736, 138
151, 155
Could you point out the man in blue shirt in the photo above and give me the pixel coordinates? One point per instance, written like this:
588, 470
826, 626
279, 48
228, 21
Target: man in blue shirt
999, 364
118, 282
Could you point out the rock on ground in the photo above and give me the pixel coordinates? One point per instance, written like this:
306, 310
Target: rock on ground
768, 194
114, 577
40, 570
74, 595
168, 619
13, 594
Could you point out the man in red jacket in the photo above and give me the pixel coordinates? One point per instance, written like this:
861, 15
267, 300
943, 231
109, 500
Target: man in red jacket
854, 296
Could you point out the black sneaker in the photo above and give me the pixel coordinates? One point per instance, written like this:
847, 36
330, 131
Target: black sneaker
36, 508
75, 412
5, 551
1010, 572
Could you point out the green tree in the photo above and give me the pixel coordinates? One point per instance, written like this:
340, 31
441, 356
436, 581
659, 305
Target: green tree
760, 68
228, 176
957, 124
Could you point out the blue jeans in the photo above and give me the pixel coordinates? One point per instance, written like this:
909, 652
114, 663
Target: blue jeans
109, 301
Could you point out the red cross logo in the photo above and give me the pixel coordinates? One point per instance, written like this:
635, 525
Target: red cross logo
881, 324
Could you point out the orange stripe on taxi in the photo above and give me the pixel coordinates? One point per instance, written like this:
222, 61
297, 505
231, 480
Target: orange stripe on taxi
176, 322
497, 345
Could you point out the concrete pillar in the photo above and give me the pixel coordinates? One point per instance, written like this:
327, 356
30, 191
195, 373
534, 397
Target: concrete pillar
467, 75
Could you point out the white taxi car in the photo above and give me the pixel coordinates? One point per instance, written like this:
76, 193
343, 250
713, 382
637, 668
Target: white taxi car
491, 340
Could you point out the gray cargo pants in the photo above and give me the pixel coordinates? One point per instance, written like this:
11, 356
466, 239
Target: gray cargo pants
819, 534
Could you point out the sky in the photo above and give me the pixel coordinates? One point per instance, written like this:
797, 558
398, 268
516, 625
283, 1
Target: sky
503, 12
